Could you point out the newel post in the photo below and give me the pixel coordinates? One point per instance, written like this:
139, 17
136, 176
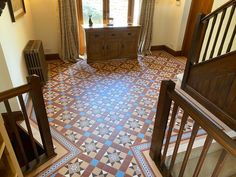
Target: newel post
41, 115
163, 109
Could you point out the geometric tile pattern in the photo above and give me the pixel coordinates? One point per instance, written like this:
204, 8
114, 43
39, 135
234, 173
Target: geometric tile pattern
104, 109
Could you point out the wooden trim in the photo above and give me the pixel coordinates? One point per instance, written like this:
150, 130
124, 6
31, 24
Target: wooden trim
130, 11
106, 11
53, 56
167, 49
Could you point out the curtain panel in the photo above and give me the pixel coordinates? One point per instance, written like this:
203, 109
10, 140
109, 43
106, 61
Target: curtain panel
146, 21
69, 48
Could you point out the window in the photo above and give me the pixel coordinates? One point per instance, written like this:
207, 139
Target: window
121, 10
94, 8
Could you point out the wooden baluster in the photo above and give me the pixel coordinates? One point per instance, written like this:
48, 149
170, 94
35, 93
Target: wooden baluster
15, 130
180, 133
41, 115
161, 119
23, 109
218, 33
226, 30
205, 149
220, 163
189, 148
170, 128
209, 37
231, 40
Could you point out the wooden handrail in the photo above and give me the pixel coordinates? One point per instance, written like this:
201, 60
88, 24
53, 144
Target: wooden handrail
34, 88
14, 92
221, 137
218, 10
161, 134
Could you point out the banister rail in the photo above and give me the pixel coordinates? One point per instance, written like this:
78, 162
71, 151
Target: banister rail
14, 92
214, 131
218, 10
169, 105
40, 154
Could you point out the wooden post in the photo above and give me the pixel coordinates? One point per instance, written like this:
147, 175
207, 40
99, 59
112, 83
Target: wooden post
195, 48
163, 109
41, 115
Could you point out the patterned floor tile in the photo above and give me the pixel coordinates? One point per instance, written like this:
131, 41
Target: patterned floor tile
105, 109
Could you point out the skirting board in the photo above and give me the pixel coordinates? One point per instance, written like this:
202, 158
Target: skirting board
53, 56
167, 49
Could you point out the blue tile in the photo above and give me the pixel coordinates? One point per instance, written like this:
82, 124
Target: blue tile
100, 120
87, 134
68, 126
119, 127
50, 119
108, 143
94, 162
82, 113
140, 135
120, 174
148, 121
50, 102
130, 153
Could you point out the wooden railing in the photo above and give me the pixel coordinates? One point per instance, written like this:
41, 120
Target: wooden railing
34, 89
214, 34
210, 73
169, 104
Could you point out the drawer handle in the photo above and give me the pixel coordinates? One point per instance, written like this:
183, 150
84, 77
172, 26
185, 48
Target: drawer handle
129, 34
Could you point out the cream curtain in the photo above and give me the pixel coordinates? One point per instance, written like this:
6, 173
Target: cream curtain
69, 49
146, 21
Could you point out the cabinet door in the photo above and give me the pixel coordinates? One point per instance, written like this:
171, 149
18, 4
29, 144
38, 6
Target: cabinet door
112, 48
95, 50
129, 49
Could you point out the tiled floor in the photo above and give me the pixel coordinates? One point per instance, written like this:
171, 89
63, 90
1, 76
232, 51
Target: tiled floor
104, 109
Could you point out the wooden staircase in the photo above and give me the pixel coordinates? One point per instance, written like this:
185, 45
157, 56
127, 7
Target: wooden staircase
30, 152
210, 81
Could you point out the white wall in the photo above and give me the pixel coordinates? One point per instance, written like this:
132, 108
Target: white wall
13, 38
5, 81
170, 20
46, 23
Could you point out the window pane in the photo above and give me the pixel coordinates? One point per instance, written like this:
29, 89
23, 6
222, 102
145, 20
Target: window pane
137, 9
94, 8
119, 11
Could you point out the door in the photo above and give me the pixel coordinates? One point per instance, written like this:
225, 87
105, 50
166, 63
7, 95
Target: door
112, 48
95, 50
129, 48
197, 7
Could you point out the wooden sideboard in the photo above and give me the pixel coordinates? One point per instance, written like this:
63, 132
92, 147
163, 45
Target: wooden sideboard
111, 42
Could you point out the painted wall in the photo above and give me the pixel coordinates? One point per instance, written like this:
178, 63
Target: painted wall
46, 23
6, 79
13, 38
170, 20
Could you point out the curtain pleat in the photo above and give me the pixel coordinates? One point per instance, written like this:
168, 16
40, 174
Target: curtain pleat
146, 21
69, 49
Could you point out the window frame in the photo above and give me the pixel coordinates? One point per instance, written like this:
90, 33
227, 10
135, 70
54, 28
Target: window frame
106, 11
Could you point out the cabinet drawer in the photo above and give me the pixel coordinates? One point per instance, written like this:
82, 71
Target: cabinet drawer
113, 34
96, 35
130, 34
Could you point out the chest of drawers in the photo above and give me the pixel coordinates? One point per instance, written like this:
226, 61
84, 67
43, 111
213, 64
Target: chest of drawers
104, 43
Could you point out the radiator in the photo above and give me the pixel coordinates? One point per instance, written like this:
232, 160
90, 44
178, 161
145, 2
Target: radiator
35, 59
